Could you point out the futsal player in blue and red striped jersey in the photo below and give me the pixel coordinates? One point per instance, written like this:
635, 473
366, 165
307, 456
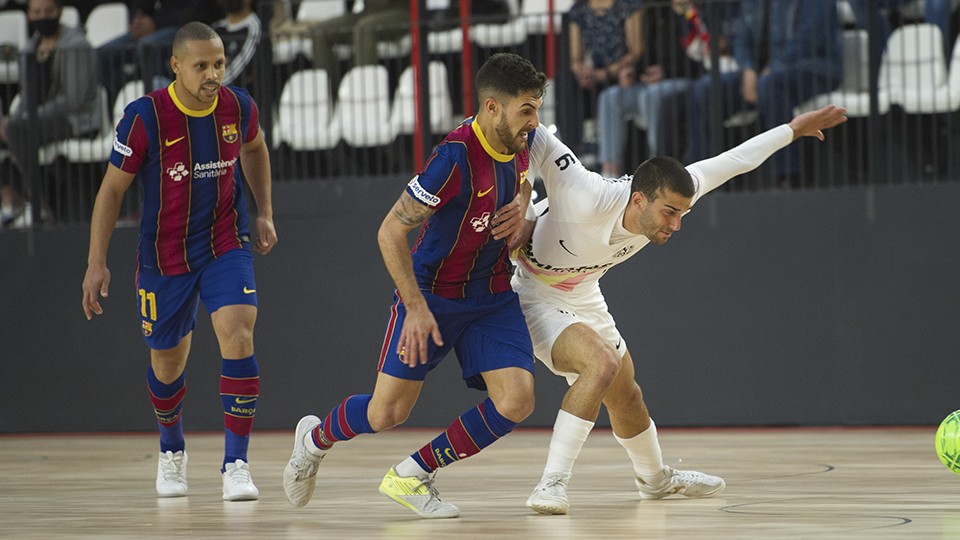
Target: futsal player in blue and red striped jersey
453, 293
187, 143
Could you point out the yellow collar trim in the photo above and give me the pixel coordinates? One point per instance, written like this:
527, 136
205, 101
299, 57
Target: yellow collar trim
190, 112
503, 158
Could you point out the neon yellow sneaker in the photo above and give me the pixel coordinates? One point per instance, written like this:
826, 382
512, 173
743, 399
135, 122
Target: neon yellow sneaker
417, 494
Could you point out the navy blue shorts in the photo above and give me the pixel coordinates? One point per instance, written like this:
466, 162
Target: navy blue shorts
168, 304
486, 332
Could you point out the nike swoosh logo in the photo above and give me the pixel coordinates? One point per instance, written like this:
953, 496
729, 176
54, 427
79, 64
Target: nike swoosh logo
619, 342
168, 142
449, 454
242, 401
248, 291
482, 193
567, 250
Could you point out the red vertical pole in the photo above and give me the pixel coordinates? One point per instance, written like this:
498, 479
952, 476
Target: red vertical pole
550, 44
467, 56
416, 62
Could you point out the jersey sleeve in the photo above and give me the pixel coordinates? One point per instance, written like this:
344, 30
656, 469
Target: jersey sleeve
249, 115
131, 144
712, 173
579, 190
439, 182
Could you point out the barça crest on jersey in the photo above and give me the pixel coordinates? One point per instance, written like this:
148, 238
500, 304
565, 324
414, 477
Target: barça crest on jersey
229, 133
523, 177
147, 328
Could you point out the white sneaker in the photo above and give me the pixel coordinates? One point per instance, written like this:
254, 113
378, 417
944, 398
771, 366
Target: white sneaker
172, 474
238, 484
300, 474
550, 495
689, 483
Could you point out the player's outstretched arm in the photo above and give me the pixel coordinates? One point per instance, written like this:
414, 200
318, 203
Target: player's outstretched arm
419, 324
106, 209
750, 154
812, 124
255, 160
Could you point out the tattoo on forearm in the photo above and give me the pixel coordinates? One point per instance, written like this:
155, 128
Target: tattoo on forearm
410, 212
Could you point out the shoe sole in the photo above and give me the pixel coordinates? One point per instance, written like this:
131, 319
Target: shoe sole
242, 497
548, 510
653, 497
412, 508
299, 433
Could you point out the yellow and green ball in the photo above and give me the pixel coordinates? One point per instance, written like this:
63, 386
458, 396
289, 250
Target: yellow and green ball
948, 441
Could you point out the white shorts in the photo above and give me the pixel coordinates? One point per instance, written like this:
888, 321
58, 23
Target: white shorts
548, 314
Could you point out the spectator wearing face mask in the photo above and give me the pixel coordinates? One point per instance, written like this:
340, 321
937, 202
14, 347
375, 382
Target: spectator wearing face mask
59, 78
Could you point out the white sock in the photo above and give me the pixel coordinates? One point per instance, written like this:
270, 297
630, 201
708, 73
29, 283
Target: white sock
311, 447
569, 434
644, 452
409, 467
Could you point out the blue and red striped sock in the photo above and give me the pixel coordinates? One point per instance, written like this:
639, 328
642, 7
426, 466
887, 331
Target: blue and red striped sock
239, 391
167, 402
344, 422
475, 430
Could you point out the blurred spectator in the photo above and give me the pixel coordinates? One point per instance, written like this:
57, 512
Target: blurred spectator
936, 12
58, 77
240, 32
485, 11
605, 36
369, 22
146, 47
657, 98
787, 52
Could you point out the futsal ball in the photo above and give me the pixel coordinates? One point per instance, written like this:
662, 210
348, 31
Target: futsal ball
948, 441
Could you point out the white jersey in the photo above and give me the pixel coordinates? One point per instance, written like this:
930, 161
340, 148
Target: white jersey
580, 235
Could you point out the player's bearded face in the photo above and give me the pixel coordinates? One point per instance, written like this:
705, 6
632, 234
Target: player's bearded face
517, 119
199, 66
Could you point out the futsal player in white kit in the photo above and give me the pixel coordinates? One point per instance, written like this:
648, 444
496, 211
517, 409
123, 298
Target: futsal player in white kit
593, 224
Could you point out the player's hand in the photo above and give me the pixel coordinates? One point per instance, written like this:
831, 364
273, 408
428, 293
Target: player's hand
266, 236
419, 325
524, 234
95, 282
812, 124
506, 221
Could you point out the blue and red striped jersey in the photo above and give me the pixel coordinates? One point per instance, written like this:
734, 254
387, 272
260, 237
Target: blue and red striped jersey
188, 164
465, 181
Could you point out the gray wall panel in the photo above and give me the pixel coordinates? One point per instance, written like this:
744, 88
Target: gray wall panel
811, 308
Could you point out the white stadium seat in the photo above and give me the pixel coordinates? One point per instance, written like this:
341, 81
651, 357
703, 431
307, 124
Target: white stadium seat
363, 107
106, 22
439, 101
13, 33
304, 119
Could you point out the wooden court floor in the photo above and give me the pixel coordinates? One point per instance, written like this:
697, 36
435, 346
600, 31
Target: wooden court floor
781, 483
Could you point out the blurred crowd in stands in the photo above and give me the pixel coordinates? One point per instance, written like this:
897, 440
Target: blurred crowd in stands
631, 78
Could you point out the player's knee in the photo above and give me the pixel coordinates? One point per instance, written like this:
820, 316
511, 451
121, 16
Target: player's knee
515, 408
384, 418
239, 337
625, 399
602, 370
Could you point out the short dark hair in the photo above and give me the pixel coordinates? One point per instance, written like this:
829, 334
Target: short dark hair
662, 172
509, 75
193, 31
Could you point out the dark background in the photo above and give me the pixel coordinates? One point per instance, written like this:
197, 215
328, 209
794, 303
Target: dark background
830, 307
